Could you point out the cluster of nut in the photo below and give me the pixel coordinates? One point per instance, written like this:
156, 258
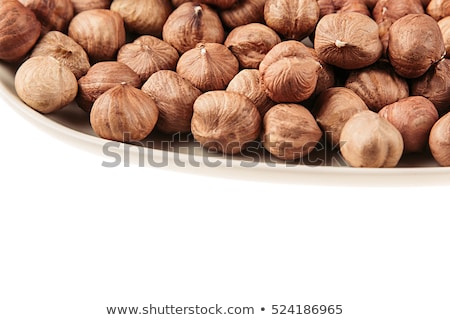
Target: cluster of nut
374, 79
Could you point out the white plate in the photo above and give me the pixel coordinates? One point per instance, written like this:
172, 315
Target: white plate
183, 154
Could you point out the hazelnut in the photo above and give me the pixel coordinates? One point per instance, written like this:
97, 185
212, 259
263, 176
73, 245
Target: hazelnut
100, 32
219, 4
444, 25
290, 131
243, 12
143, 16
209, 66
148, 54
292, 19
415, 44
52, 14
370, 141
333, 108
174, 96
439, 140
348, 40
250, 43
377, 85
19, 30
248, 83
123, 113
64, 49
438, 9
289, 72
44, 84
413, 117
83, 5
386, 12
335, 6
435, 86
191, 24
225, 121
326, 78
101, 77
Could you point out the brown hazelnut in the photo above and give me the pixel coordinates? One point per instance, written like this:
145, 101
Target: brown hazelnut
439, 140
415, 44
148, 54
44, 84
335, 6
386, 12
174, 96
290, 131
209, 66
248, 83
220, 4
326, 78
19, 30
191, 24
413, 117
333, 108
225, 121
444, 25
53, 14
348, 40
124, 113
243, 12
378, 85
143, 16
370, 141
100, 32
101, 77
64, 49
289, 72
292, 19
438, 9
83, 5
435, 86
250, 43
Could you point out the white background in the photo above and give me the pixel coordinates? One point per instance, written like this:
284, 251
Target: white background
76, 237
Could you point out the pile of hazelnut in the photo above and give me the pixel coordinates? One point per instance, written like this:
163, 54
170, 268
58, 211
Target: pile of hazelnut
374, 81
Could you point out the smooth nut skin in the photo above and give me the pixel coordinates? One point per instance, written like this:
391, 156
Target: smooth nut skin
386, 12
243, 12
333, 108
83, 5
439, 140
415, 44
64, 49
100, 32
45, 85
438, 9
290, 131
289, 72
209, 66
348, 40
191, 24
143, 16
444, 25
377, 85
53, 14
250, 43
174, 96
124, 113
335, 6
435, 86
225, 121
292, 19
413, 117
370, 141
19, 30
147, 55
248, 82
101, 77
